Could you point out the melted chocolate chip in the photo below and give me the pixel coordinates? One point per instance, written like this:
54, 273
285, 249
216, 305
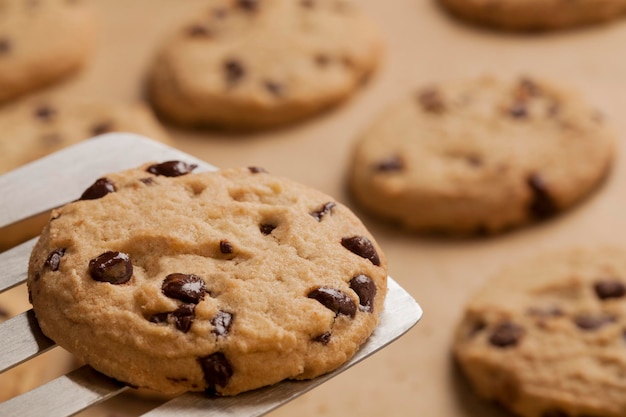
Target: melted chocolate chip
147, 181
324, 338
102, 128
198, 31
506, 334
393, 163
275, 88
250, 5
542, 205
257, 170
323, 211
112, 267
233, 71
182, 318
171, 168
222, 323
589, 322
267, 228
362, 246
98, 189
217, 370
45, 112
5, 46
365, 288
431, 100
335, 300
54, 259
184, 287
226, 247
606, 289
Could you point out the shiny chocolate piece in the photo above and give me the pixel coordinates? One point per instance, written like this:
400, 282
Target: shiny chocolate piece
112, 267
362, 246
171, 168
267, 228
98, 189
217, 370
542, 205
226, 247
507, 334
182, 318
188, 288
323, 211
324, 338
365, 288
334, 300
54, 259
222, 323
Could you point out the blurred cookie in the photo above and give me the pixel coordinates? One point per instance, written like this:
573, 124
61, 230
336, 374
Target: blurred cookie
33, 128
480, 156
42, 41
246, 64
545, 338
222, 281
536, 14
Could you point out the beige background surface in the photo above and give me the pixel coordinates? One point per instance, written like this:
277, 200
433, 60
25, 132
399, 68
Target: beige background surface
415, 375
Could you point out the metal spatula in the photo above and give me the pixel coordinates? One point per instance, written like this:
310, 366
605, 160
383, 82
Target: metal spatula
62, 177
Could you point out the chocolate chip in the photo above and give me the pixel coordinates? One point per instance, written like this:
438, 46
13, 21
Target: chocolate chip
189, 288
5, 46
217, 370
431, 100
362, 246
250, 5
365, 288
506, 334
198, 31
322, 211
324, 338
182, 318
233, 71
147, 181
334, 300
393, 163
102, 128
518, 110
590, 322
98, 189
256, 170
171, 168
54, 259
44, 112
275, 88
542, 205
112, 267
226, 247
609, 289
267, 228
222, 323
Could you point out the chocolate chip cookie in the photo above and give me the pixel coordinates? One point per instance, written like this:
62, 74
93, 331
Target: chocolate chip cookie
480, 156
246, 64
219, 281
41, 42
536, 14
545, 338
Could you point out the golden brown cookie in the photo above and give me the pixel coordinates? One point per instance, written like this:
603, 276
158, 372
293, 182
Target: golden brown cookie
480, 156
222, 281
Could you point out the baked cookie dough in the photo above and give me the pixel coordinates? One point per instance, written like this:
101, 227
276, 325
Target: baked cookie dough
527, 15
545, 338
221, 281
41, 42
247, 64
480, 156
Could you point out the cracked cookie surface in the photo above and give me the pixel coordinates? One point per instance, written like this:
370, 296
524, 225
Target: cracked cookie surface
545, 337
221, 281
480, 156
